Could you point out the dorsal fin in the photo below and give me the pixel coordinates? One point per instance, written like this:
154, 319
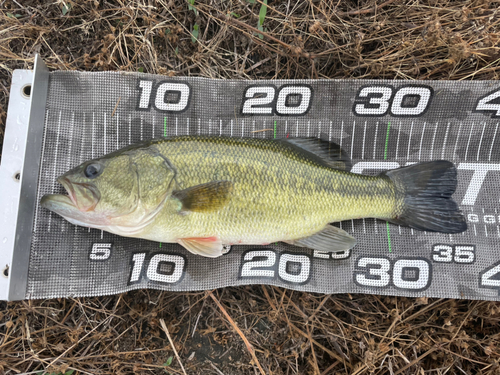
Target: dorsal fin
323, 152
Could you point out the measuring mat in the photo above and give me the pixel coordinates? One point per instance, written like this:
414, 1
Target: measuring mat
72, 117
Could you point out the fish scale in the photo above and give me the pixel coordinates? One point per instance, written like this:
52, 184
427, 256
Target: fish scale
285, 195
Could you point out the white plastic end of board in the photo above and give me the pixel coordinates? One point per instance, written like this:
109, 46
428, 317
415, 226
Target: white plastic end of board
25, 121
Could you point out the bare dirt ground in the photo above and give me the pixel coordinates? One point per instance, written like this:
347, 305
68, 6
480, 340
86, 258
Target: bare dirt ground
252, 330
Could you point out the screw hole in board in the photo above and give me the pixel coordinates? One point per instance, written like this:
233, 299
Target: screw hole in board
26, 91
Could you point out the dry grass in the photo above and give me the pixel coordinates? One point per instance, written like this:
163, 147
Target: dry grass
257, 329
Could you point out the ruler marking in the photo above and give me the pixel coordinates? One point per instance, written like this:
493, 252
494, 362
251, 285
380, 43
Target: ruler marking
142, 127
480, 142
341, 133
493, 142
352, 223
387, 140
81, 148
297, 130
375, 141
444, 141
63, 224
421, 142
433, 139
41, 168
93, 136
286, 127
118, 130
352, 140
397, 142
81, 154
388, 237
319, 130
409, 142
55, 162
187, 125
199, 125
376, 226
468, 142
210, 127
220, 127
456, 142
231, 128
105, 131
242, 128
71, 138
364, 137
129, 128
308, 127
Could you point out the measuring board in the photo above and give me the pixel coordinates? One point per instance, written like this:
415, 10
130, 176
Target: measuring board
72, 117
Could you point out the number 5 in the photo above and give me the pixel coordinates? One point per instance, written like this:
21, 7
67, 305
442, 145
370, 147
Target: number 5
100, 251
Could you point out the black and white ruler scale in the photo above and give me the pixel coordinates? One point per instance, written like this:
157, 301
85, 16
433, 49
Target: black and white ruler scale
56, 120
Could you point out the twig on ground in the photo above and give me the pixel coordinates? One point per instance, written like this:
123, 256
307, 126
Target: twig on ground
242, 335
165, 329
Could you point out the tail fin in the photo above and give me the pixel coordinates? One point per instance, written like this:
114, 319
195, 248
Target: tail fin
426, 204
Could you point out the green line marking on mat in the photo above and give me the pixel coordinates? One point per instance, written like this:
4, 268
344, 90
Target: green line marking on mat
275, 138
164, 134
385, 158
389, 237
387, 140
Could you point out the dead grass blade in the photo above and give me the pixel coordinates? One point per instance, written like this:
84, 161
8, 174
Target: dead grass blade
240, 333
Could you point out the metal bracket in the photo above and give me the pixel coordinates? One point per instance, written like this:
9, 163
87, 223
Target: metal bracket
19, 169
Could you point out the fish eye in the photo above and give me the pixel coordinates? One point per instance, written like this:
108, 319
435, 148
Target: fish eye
92, 170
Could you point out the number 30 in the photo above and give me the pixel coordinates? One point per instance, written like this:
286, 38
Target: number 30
406, 101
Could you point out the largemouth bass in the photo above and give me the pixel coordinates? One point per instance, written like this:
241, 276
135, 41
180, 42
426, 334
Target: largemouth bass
206, 193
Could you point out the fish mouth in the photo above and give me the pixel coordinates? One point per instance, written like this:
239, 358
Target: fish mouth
81, 196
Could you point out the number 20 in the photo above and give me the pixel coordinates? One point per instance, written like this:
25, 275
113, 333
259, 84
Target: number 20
378, 100
291, 100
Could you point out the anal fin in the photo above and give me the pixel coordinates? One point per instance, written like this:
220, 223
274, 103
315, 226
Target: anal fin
210, 247
330, 239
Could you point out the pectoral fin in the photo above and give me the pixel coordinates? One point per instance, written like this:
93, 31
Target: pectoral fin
330, 239
210, 247
205, 197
